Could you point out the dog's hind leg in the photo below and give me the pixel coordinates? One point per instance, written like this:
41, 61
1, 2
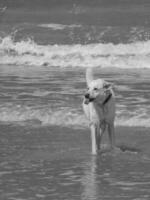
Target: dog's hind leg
94, 139
111, 134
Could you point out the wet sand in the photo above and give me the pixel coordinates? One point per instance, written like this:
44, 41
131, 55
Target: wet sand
56, 163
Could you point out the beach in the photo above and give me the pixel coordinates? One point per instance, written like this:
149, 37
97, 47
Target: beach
45, 144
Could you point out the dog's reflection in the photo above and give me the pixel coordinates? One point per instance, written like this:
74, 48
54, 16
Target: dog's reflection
89, 181
95, 177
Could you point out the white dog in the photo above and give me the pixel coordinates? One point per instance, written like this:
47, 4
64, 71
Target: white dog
99, 108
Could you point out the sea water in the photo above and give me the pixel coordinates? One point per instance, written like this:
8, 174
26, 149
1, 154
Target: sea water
45, 49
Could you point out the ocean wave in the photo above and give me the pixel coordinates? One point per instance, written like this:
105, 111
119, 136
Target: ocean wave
59, 26
133, 55
45, 116
66, 117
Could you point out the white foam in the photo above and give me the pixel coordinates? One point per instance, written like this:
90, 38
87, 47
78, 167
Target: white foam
67, 117
59, 26
36, 93
134, 55
134, 121
122, 88
46, 116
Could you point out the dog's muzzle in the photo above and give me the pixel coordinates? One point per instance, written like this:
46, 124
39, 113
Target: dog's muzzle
87, 98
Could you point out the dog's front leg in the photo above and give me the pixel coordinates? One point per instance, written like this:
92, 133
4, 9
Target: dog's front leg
100, 133
93, 138
111, 134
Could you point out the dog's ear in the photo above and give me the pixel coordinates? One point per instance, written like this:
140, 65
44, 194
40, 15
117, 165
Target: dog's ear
89, 75
107, 85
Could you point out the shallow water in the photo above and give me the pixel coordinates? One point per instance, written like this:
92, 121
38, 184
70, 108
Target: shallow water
53, 96
56, 163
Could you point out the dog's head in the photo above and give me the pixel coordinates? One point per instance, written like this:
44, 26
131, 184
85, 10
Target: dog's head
97, 90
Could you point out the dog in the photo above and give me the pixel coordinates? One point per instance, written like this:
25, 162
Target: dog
99, 108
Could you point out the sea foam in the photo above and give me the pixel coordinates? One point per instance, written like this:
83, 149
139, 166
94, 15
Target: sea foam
67, 117
28, 52
59, 26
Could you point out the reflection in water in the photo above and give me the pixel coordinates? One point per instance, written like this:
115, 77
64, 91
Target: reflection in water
113, 177
89, 180
93, 181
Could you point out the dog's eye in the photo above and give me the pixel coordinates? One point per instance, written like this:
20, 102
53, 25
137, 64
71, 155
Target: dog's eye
95, 89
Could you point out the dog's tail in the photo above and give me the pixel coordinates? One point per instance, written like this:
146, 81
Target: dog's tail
89, 75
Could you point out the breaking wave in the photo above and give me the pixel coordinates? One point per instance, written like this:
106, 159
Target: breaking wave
28, 52
65, 117
44, 116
